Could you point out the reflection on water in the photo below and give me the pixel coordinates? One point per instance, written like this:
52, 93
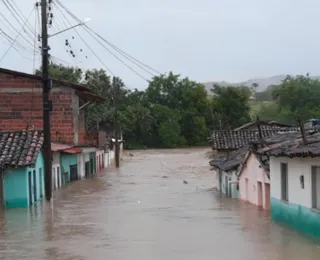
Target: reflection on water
144, 210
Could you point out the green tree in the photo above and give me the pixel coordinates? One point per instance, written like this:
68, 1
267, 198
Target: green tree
299, 95
230, 106
64, 73
188, 98
171, 112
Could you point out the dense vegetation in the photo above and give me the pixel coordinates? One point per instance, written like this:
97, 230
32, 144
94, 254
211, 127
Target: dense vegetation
171, 112
296, 96
177, 112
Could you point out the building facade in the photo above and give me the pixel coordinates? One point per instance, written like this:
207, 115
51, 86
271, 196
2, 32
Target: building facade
295, 193
295, 180
21, 107
254, 183
22, 168
227, 169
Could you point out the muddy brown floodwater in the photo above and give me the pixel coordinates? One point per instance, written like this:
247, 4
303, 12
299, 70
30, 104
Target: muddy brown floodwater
145, 211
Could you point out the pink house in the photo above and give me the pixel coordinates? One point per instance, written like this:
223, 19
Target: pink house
254, 182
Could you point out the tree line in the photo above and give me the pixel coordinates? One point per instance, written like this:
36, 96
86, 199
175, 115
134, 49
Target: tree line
178, 112
295, 96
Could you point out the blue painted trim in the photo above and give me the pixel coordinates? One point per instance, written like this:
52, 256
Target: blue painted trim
297, 216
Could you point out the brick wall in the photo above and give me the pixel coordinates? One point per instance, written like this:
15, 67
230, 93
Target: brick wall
21, 106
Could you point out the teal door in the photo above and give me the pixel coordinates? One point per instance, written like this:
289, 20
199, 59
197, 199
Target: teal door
30, 187
1, 191
34, 186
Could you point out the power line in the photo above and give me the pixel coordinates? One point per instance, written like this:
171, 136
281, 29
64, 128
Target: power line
73, 53
88, 30
16, 16
102, 46
16, 30
19, 33
124, 53
17, 44
88, 46
21, 15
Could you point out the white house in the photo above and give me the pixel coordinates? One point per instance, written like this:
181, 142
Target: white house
226, 169
295, 183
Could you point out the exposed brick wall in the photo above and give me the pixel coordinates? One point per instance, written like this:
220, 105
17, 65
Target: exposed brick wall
21, 106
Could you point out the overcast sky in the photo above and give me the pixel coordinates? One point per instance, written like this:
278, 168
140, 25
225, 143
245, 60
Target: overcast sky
206, 40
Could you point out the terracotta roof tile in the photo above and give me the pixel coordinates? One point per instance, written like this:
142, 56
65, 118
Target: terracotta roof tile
231, 161
293, 148
231, 139
20, 149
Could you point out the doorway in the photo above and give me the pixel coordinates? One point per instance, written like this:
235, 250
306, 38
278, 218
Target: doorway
54, 178
87, 169
267, 196
91, 166
73, 172
1, 191
30, 187
226, 184
259, 193
34, 186
59, 177
40, 182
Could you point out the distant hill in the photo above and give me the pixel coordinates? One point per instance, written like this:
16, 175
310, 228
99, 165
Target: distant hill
263, 83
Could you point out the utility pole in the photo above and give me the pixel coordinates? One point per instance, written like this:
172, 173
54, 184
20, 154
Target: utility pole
116, 90
303, 134
46, 102
259, 128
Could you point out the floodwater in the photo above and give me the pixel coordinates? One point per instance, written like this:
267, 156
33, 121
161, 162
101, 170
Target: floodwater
145, 211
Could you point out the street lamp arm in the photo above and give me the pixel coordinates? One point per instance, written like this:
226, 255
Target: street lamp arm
67, 29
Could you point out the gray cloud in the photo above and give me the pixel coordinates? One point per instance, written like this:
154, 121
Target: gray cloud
206, 40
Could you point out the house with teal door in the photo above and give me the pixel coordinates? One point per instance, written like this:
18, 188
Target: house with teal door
22, 168
70, 164
227, 169
295, 182
65, 164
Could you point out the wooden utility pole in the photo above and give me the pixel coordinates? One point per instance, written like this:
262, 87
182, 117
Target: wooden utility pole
47, 105
116, 90
302, 130
259, 128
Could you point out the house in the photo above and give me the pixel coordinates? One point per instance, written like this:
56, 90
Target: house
295, 182
254, 177
22, 108
21, 168
226, 141
227, 169
254, 181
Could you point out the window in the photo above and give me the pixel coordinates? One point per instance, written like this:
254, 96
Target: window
284, 181
315, 188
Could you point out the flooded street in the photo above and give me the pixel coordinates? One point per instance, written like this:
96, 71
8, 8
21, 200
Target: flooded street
145, 211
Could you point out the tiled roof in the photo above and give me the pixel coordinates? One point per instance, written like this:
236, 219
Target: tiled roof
264, 124
231, 161
20, 149
57, 147
293, 148
231, 139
